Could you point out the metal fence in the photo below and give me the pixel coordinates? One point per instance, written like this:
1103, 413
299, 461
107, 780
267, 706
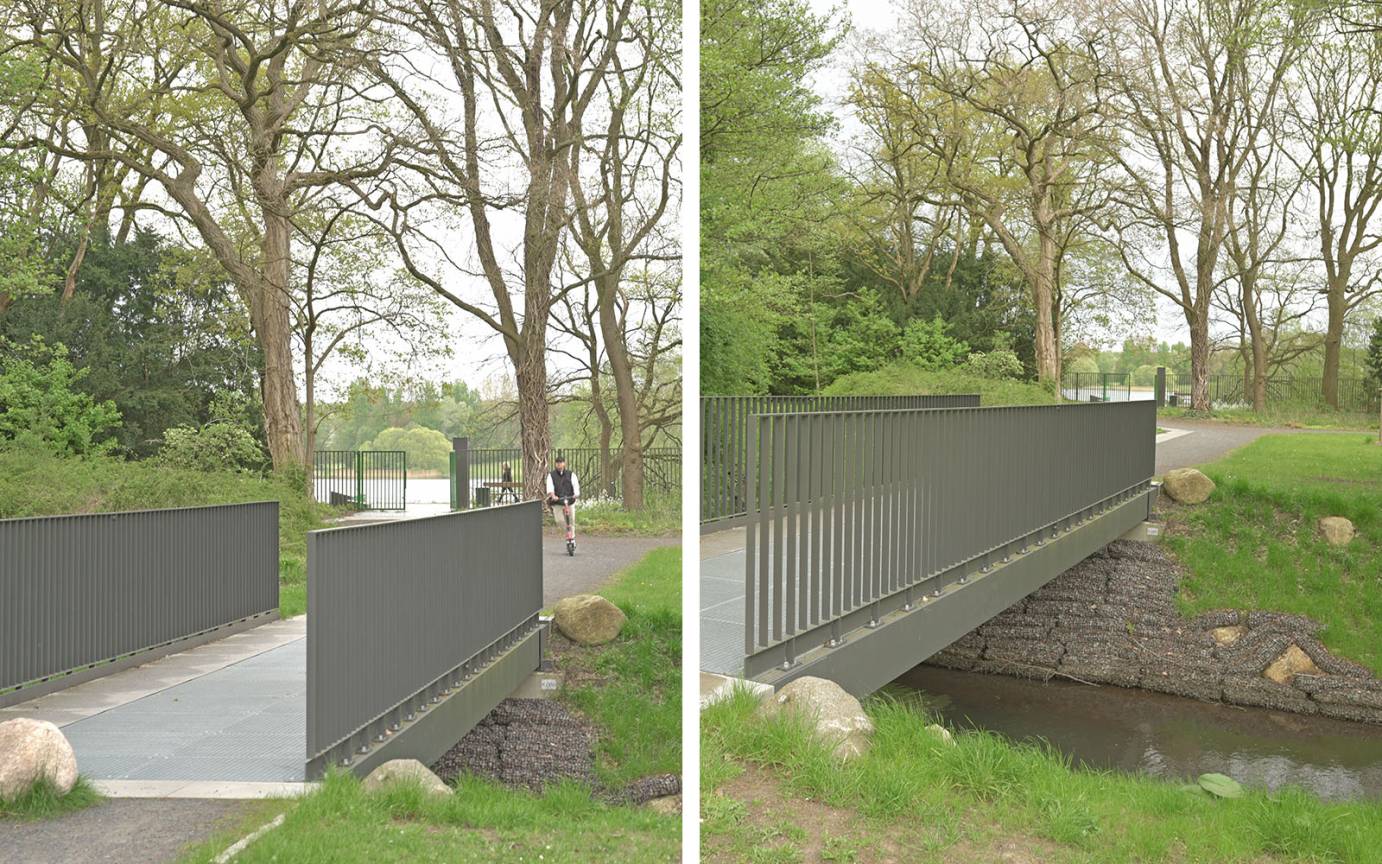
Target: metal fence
1228, 391
849, 508
727, 426
401, 614
1103, 387
496, 474
365, 479
78, 592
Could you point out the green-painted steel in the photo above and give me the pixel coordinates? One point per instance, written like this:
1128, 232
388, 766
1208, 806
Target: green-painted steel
401, 616
365, 479
854, 514
727, 429
80, 596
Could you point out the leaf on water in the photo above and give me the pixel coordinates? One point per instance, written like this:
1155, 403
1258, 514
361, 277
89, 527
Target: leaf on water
1220, 785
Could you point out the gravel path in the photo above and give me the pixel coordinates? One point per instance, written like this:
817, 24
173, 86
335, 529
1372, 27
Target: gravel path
119, 831
1112, 619
595, 561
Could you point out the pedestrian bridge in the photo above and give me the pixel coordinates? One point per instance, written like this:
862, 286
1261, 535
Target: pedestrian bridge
875, 538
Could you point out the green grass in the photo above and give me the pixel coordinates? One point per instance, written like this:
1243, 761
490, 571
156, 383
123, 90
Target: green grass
482, 822
903, 379
1290, 416
40, 484
43, 801
631, 688
661, 517
948, 803
1255, 544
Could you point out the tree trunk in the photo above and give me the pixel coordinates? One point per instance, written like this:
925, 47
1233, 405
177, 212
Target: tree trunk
1199, 361
1257, 367
535, 438
625, 395
1043, 298
1334, 340
271, 314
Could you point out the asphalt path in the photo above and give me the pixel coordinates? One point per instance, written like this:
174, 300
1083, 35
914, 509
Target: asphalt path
120, 831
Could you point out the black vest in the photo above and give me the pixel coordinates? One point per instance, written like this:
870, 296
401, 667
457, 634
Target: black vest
561, 484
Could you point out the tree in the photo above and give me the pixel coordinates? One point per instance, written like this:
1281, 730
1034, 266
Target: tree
927, 345
426, 449
1374, 359
233, 112
1006, 98
1196, 81
41, 406
622, 185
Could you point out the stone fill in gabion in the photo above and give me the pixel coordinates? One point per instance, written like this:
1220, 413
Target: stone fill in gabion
1112, 619
525, 742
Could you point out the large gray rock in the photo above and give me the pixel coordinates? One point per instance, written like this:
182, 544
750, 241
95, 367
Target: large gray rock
405, 771
1187, 486
31, 750
588, 619
837, 718
1337, 530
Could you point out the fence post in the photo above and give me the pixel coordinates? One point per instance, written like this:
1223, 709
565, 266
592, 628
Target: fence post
460, 487
360, 478
1159, 394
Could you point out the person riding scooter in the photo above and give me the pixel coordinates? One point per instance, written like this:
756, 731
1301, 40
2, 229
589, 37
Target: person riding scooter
563, 487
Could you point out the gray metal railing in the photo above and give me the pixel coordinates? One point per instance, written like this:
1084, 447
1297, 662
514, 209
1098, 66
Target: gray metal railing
80, 594
402, 613
849, 508
727, 427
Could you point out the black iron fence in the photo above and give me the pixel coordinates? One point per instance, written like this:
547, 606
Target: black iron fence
423, 618
1359, 395
82, 596
852, 511
496, 474
727, 425
1103, 387
363, 479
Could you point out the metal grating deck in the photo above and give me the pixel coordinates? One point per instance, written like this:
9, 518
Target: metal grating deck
246, 721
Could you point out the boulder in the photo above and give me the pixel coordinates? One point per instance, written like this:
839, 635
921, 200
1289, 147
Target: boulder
668, 804
1229, 634
1337, 530
32, 750
836, 717
1292, 662
941, 733
1187, 486
405, 771
588, 619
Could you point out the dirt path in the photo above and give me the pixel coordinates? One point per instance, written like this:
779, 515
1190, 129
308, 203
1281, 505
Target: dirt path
120, 831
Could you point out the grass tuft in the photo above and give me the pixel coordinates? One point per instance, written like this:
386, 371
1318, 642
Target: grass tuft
44, 801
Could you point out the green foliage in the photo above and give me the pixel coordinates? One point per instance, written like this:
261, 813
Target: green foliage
1082, 365
1374, 358
1220, 785
454, 409
903, 379
43, 801
1256, 545
153, 332
427, 449
1144, 376
219, 446
660, 517
998, 364
926, 344
40, 405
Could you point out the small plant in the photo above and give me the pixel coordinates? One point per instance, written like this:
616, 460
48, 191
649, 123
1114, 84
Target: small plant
41, 406
44, 801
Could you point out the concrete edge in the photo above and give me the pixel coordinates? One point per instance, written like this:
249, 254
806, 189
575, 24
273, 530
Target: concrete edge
716, 688
1172, 434
228, 790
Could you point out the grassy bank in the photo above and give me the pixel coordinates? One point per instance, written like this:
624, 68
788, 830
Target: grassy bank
1288, 417
904, 379
772, 794
630, 690
39, 484
1256, 545
661, 517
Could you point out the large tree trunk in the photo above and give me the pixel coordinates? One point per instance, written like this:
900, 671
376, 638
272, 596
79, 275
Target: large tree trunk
1199, 361
625, 394
1256, 370
1043, 298
271, 315
535, 438
1334, 339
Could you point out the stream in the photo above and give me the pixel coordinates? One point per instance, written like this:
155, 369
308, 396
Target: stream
1166, 736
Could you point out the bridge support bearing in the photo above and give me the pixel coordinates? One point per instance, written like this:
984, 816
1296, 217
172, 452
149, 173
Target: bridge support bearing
867, 658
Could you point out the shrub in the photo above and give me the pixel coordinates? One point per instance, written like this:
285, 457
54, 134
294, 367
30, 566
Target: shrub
925, 344
427, 449
218, 446
1000, 364
41, 408
904, 379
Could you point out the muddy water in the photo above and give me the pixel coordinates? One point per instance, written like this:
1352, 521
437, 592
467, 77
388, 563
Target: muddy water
1164, 736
